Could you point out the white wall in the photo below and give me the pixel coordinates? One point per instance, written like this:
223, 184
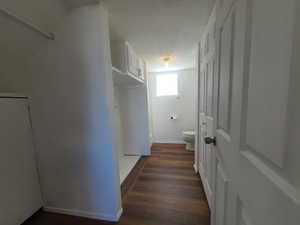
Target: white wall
118, 121
131, 120
135, 122
166, 130
18, 43
70, 85
150, 114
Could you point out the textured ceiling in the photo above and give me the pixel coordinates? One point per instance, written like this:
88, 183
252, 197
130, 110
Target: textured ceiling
157, 28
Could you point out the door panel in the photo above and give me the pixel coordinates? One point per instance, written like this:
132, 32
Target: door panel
265, 130
201, 142
209, 89
209, 161
225, 77
221, 194
209, 150
202, 116
198, 132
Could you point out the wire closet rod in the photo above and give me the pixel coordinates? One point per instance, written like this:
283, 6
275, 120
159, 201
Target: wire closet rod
29, 25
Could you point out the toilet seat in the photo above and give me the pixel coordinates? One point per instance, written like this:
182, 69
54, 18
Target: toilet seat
189, 133
189, 138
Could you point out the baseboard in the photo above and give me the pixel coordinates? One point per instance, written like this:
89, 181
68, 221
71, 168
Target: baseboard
169, 142
119, 214
90, 215
205, 186
195, 168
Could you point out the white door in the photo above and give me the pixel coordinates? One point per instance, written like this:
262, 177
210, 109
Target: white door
257, 108
19, 190
206, 121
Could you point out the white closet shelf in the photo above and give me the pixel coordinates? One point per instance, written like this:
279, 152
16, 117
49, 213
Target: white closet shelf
12, 95
125, 79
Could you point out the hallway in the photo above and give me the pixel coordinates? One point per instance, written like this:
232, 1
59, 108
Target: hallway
163, 189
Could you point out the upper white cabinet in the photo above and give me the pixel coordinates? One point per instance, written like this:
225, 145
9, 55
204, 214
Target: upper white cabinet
142, 69
128, 68
132, 60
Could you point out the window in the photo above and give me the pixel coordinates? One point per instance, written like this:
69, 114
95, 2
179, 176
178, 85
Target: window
166, 84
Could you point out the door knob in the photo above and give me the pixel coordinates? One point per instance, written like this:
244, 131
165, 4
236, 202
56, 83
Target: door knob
210, 140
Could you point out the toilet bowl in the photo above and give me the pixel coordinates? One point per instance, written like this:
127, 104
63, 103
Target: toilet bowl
189, 139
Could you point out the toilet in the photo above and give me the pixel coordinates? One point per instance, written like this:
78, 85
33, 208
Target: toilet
189, 139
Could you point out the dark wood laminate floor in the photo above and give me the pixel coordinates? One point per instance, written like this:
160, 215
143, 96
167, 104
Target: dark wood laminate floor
163, 189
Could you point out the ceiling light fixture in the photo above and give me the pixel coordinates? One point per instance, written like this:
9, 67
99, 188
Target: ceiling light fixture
167, 60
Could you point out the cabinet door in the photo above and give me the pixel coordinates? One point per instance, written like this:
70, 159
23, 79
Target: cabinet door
132, 61
142, 70
20, 191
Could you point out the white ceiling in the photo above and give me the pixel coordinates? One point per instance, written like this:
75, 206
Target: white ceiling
157, 28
